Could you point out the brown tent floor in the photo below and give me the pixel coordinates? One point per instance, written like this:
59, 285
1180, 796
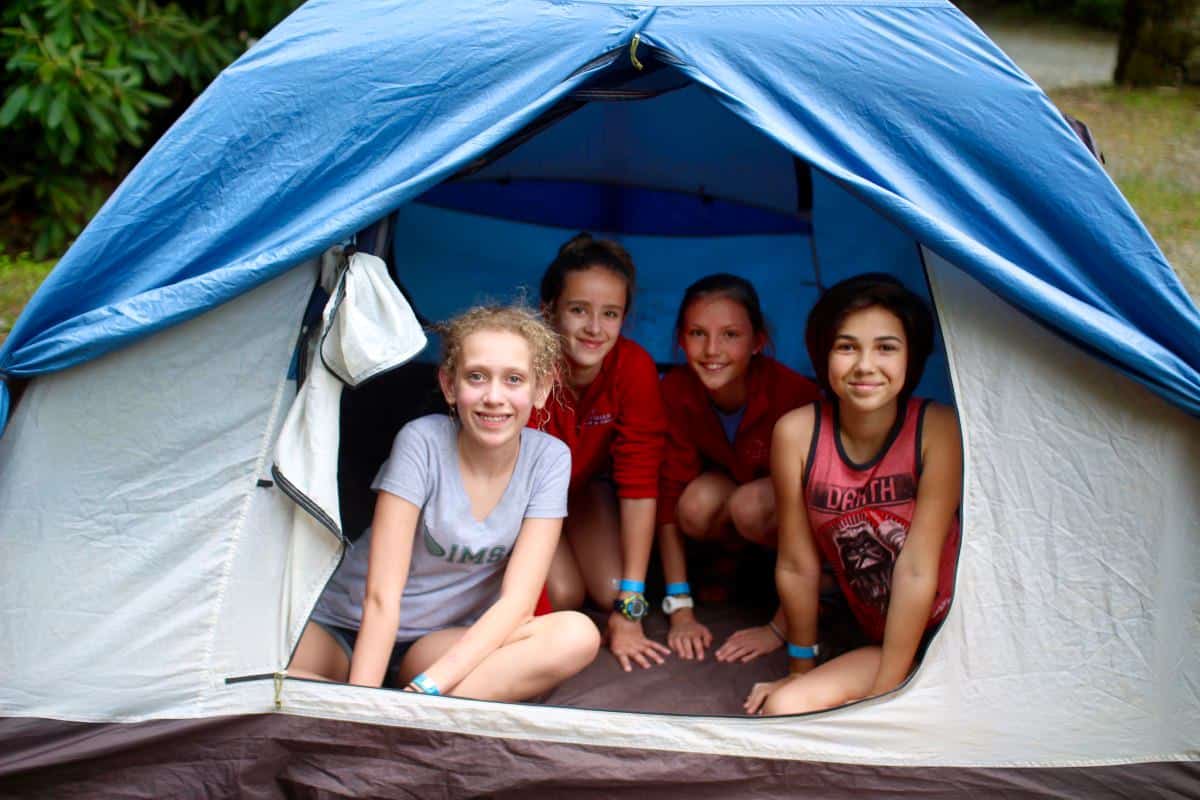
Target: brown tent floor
677, 686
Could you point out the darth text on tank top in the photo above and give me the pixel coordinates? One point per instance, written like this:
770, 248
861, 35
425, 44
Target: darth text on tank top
860, 514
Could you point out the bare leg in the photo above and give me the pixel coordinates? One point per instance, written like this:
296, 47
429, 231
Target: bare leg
703, 511
752, 511
593, 531
541, 653
319, 656
564, 583
843, 680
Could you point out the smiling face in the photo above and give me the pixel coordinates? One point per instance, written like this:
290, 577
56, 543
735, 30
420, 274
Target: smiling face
718, 341
869, 360
493, 387
588, 313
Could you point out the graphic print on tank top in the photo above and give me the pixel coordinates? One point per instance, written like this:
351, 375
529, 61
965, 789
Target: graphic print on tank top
866, 535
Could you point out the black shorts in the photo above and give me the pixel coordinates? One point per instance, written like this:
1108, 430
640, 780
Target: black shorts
346, 637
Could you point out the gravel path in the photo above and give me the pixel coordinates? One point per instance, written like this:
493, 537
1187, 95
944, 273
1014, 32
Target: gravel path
1056, 56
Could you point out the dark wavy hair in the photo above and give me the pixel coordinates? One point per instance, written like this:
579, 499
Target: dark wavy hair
582, 252
870, 290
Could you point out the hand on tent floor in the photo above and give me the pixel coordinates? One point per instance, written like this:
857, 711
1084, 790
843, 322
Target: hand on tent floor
748, 644
688, 637
629, 644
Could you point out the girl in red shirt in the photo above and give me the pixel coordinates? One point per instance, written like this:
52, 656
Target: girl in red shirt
610, 415
722, 406
868, 482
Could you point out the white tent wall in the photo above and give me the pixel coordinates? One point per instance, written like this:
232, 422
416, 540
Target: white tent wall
132, 541
1077, 605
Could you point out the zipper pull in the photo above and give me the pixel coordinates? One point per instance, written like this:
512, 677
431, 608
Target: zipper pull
279, 676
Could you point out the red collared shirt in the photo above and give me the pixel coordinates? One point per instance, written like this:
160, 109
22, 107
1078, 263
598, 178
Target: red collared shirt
696, 442
616, 423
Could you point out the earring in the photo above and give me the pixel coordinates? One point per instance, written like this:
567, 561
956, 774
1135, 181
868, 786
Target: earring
453, 411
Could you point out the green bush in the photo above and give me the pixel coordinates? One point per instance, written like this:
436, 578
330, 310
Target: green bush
87, 84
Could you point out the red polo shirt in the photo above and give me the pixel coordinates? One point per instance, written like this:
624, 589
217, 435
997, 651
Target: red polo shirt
696, 442
616, 423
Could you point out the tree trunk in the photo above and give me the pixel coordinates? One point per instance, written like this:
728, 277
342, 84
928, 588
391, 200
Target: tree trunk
1160, 43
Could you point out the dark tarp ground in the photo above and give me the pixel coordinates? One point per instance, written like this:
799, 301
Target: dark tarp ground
280, 756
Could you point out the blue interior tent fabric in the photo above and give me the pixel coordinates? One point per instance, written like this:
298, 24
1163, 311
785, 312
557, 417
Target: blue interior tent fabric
348, 110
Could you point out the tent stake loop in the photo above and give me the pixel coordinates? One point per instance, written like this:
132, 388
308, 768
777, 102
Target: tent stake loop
633, 46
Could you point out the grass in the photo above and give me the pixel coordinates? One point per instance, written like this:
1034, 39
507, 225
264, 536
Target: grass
1150, 139
19, 277
1151, 142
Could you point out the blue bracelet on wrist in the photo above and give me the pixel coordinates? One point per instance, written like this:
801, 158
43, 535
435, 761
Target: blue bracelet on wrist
633, 586
679, 588
425, 685
796, 651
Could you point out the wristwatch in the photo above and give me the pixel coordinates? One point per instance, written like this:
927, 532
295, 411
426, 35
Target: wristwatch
633, 607
673, 602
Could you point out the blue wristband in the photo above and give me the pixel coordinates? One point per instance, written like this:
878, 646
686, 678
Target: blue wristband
679, 588
796, 651
425, 685
633, 586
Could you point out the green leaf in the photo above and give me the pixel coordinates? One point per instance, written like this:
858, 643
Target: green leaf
100, 123
13, 106
129, 115
13, 183
141, 52
71, 129
41, 247
152, 98
58, 108
104, 158
38, 99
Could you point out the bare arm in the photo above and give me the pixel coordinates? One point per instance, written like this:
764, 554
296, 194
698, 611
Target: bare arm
626, 638
680, 466
915, 574
392, 531
671, 551
523, 579
687, 637
798, 567
637, 535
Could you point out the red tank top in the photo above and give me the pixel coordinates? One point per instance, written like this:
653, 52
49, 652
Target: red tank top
860, 513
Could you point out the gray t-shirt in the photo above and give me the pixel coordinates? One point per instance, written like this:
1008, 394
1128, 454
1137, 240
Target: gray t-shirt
457, 561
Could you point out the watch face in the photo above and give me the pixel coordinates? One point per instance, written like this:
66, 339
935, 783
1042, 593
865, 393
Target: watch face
633, 607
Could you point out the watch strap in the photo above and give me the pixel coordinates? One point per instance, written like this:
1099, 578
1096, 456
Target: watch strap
672, 603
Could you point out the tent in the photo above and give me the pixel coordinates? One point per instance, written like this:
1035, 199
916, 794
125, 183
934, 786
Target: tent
168, 488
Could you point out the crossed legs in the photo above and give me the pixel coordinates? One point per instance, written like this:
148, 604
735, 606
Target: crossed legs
541, 653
